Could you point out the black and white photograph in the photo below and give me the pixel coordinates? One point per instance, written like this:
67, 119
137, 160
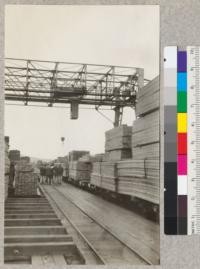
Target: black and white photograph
82, 135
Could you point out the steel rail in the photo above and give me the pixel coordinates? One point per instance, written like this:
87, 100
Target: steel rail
98, 256
106, 229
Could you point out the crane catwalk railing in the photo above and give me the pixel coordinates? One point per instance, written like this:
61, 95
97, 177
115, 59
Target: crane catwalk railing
60, 82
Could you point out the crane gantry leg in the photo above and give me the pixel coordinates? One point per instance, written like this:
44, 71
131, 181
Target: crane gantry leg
118, 116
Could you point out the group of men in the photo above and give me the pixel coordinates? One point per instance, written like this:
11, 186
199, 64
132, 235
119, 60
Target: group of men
51, 174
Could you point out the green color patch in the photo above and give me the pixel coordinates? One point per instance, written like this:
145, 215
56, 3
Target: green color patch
182, 102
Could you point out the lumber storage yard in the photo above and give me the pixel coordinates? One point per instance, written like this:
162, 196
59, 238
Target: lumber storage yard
84, 208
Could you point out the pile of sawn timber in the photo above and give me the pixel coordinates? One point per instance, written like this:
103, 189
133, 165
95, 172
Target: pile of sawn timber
138, 176
7, 167
145, 131
80, 170
118, 143
104, 175
26, 181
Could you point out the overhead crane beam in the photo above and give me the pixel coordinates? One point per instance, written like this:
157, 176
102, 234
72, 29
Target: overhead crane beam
61, 82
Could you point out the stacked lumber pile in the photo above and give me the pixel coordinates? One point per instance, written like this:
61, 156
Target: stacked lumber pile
86, 158
139, 178
7, 167
104, 175
25, 159
76, 154
89, 158
14, 155
148, 98
98, 157
145, 131
80, 170
26, 181
96, 174
118, 143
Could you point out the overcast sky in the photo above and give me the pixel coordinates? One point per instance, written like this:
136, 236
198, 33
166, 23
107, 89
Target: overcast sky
114, 35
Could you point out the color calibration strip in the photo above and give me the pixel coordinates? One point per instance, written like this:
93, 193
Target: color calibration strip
175, 141
170, 140
182, 142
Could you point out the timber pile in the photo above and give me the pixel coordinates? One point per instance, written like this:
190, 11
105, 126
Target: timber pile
148, 98
104, 175
80, 171
14, 155
76, 154
96, 174
139, 178
146, 151
87, 158
98, 157
25, 159
145, 131
7, 167
118, 143
26, 181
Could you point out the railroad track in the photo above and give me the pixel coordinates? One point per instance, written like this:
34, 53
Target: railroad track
105, 246
95, 255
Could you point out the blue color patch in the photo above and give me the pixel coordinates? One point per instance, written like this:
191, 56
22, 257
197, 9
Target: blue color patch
182, 81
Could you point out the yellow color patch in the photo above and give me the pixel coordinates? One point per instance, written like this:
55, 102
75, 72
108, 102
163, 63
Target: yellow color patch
182, 122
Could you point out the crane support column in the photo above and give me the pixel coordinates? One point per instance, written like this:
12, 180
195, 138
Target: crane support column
118, 115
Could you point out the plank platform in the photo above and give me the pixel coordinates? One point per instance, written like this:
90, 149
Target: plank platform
35, 235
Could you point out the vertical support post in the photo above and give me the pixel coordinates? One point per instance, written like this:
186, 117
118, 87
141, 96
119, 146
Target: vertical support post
118, 116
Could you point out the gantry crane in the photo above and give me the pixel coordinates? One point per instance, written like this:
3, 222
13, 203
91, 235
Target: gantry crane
72, 83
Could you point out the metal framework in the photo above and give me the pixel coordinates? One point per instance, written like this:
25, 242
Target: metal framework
61, 82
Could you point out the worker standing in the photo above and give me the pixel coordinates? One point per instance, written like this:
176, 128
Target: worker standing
55, 175
42, 173
49, 174
60, 174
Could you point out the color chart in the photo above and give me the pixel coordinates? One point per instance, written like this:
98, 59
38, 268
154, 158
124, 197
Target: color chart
182, 140
170, 140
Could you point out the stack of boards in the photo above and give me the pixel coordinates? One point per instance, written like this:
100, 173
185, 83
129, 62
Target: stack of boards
104, 175
76, 154
14, 155
80, 170
118, 143
137, 176
117, 147
7, 167
26, 181
145, 131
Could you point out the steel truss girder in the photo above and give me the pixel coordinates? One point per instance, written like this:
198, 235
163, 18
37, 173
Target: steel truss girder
58, 82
